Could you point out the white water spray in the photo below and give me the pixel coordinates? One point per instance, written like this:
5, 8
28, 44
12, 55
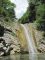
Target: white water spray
31, 45
29, 39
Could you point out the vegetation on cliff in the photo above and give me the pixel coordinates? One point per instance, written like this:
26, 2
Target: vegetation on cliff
35, 13
6, 10
12, 31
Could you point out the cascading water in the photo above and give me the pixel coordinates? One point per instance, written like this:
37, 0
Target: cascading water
29, 40
31, 45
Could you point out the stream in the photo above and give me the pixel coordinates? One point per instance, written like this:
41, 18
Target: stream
30, 41
23, 57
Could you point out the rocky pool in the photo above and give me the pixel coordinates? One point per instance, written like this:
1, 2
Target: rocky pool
24, 57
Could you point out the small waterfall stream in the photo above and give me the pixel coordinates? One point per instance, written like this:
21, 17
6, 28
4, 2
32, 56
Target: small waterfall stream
29, 39
31, 46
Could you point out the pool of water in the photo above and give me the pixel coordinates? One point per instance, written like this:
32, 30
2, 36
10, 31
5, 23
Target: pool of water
24, 57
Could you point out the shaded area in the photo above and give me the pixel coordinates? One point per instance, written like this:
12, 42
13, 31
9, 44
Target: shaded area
1, 30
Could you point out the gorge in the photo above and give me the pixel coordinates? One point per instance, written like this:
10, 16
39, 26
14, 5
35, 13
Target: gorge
22, 30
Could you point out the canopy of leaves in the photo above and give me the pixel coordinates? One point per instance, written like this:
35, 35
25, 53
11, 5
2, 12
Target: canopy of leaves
40, 13
35, 13
40, 17
25, 17
30, 14
6, 9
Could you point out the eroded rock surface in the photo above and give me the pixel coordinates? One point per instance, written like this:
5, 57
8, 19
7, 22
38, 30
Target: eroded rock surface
8, 43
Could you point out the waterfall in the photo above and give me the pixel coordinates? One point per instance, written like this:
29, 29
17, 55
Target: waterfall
31, 46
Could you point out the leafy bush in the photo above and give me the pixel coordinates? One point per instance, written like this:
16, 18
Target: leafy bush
40, 17
40, 13
40, 24
25, 18
7, 9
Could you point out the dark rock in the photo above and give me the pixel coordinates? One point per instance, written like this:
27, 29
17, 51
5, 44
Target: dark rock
1, 31
3, 41
7, 30
1, 49
39, 50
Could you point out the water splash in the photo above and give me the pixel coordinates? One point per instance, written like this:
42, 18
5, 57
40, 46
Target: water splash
29, 39
31, 45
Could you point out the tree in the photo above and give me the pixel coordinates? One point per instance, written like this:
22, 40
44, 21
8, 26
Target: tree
25, 17
7, 8
32, 10
40, 17
30, 14
35, 13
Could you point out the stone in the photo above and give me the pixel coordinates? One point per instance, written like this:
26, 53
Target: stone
12, 52
1, 45
4, 48
1, 53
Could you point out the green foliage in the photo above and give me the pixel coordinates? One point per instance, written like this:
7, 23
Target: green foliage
35, 13
40, 17
40, 11
25, 17
30, 14
7, 9
40, 24
32, 10
6, 19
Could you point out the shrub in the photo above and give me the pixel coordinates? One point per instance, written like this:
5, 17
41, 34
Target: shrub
6, 19
40, 24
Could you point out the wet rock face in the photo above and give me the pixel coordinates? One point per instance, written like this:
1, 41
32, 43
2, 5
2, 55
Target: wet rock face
8, 43
4, 48
40, 41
